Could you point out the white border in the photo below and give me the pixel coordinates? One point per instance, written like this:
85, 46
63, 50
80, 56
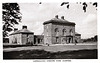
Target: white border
31, 61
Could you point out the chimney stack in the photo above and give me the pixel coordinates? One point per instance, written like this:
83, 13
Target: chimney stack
56, 16
15, 29
62, 17
24, 27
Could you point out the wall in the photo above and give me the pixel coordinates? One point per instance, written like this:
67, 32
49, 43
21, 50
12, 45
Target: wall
51, 37
47, 33
27, 38
15, 39
38, 39
60, 33
78, 39
21, 38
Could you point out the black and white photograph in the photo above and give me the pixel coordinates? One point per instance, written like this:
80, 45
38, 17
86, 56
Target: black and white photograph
49, 30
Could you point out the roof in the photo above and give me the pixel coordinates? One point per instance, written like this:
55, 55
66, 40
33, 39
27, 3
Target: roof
21, 31
39, 36
77, 34
59, 21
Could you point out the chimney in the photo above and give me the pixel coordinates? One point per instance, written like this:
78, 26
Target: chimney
15, 29
56, 16
24, 27
62, 17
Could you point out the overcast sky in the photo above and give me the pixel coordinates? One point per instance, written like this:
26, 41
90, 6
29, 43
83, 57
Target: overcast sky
34, 14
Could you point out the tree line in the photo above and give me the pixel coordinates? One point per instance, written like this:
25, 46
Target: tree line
94, 39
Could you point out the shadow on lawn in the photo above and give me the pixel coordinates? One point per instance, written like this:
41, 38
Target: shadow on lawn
41, 54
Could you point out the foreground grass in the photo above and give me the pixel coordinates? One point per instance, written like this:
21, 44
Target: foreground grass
41, 54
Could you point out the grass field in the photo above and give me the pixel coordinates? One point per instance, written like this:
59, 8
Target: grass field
41, 54
78, 51
55, 48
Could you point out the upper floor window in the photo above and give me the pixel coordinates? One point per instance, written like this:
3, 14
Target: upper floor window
71, 32
56, 31
64, 31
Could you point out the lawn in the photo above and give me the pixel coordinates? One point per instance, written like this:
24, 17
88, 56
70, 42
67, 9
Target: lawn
52, 52
55, 48
42, 54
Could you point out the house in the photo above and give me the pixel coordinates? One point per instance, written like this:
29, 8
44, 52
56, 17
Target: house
59, 31
56, 31
22, 37
77, 37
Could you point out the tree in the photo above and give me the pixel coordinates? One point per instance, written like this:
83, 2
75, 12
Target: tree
84, 5
10, 15
96, 38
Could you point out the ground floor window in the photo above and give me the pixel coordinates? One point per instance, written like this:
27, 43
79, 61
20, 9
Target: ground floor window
67, 40
57, 39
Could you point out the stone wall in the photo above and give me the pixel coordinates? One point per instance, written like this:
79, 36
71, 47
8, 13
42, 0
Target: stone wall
15, 39
53, 33
27, 38
21, 38
47, 34
60, 34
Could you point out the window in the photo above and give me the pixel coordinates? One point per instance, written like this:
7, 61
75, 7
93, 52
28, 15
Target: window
15, 41
57, 39
63, 31
56, 31
71, 32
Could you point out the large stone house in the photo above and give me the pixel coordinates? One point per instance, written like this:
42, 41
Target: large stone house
56, 31
21, 37
59, 31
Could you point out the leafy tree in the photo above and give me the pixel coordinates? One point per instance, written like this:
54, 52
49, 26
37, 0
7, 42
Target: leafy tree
11, 15
84, 5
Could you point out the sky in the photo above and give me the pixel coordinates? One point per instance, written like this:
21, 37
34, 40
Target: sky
34, 14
